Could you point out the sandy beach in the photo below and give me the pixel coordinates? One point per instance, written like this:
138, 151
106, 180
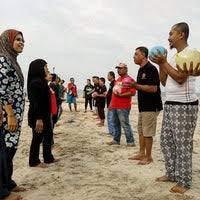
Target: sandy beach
89, 169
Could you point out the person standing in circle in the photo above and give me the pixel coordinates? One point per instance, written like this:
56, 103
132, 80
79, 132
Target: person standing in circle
39, 114
72, 94
180, 112
111, 78
149, 104
11, 96
121, 106
88, 90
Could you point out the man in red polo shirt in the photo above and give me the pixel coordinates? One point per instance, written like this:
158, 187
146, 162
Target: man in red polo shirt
121, 106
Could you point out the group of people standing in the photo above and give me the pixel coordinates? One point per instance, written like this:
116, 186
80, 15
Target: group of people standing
97, 96
179, 116
119, 102
43, 112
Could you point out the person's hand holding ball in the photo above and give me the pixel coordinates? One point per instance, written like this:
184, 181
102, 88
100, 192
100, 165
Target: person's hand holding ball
188, 62
158, 55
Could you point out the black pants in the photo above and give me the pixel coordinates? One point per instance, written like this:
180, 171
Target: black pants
10, 155
88, 100
54, 119
46, 139
3, 168
60, 111
101, 112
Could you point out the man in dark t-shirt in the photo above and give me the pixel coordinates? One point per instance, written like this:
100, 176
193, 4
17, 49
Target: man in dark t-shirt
111, 78
95, 80
88, 90
101, 100
149, 104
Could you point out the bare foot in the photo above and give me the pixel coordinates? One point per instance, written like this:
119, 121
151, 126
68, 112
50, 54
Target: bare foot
112, 143
100, 124
145, 161
137, 157
19, 189
163, 179
56, 160
131, 145
41, 165
58, 124
13, 197
178, 189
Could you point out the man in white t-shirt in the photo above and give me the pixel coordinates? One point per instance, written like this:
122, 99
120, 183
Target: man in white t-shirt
180, 113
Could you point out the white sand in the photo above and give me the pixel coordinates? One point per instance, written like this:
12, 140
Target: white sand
91, 170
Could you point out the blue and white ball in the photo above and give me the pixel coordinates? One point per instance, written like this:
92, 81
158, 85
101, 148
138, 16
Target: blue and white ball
156, 50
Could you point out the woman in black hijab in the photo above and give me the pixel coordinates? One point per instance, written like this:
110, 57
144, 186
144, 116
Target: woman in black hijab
39, 114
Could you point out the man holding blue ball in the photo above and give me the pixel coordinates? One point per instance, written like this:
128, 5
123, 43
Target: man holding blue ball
149, 104
180, 112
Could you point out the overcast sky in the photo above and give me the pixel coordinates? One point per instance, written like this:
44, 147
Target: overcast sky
82, 38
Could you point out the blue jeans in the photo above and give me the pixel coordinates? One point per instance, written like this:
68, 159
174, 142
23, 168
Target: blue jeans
110, 122
121, 119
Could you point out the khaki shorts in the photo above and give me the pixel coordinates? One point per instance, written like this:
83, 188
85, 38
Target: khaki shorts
147, 123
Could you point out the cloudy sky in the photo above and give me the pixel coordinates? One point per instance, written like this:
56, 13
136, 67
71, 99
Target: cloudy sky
82, 38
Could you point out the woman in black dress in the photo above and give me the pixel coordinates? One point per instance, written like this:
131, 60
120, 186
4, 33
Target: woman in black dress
39, 114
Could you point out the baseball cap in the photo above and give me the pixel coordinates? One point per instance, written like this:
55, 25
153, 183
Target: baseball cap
121, 65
